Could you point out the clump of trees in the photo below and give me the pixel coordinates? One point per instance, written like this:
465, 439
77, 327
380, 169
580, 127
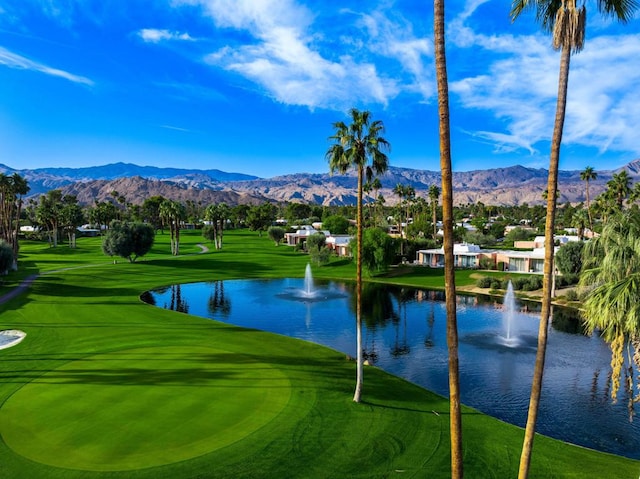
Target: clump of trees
128, 240
12, 190
316, 246
378, 250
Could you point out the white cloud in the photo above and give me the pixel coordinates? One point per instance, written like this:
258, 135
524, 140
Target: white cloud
13, 60
293, 64
520, 82
393, 38
153, 35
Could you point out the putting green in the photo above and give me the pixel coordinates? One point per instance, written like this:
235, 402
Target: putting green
140, 408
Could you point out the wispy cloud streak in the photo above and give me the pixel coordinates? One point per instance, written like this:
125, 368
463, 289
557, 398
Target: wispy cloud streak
13, 60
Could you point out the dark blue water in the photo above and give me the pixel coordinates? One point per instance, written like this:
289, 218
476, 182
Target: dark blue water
405, 334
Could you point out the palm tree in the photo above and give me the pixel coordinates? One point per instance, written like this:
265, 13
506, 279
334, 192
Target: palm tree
611, 272
434, 194
376, 185
455, 415
579, 220
399, 190
587, 175
359, 145
619, 187
566, 22
172, 213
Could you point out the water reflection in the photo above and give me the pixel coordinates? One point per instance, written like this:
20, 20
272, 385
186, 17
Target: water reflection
218, 302
405, 334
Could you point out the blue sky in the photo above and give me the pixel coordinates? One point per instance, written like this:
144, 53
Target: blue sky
253, 86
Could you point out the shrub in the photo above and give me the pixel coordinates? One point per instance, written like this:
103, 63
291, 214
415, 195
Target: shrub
572, 295
6, 257
484, 282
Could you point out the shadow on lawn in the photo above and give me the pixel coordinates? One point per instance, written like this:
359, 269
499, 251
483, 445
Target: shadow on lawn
138, 369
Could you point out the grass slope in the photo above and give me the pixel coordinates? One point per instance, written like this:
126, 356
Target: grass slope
105, 386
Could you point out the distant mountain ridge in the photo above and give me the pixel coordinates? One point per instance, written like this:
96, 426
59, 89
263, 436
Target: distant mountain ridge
509, 186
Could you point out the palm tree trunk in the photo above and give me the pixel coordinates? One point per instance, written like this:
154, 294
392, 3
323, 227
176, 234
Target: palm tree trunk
589, 209
552, 187
455, 417
359, 367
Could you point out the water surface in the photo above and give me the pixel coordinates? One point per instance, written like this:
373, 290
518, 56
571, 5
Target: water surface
405, 334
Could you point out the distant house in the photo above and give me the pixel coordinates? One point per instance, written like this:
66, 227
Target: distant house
538, 241
470, 256
339, 244
465, 256
301, 235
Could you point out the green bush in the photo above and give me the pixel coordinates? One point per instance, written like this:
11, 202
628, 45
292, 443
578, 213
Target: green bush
572, 295
484, 282
6, 257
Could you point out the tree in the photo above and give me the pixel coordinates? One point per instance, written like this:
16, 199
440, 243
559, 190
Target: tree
566, 21
128, 240
378, 250
587, 175
217, 216
434, 194
619, 187
102, 214
295, 212
71, 216
259, 218
172, 214
579, 220
455, 414
6, 257
336, 224
12, 190
569, 258
151, 211
611, 274
316, 246
359, 145
275, 233
49, 214
400, 191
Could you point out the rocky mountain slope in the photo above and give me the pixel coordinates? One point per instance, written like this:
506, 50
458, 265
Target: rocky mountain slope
510, 186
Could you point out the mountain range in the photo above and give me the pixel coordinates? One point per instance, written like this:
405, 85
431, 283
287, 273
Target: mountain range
498, 186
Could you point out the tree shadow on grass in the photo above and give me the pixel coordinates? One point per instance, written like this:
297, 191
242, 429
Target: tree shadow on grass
137, 369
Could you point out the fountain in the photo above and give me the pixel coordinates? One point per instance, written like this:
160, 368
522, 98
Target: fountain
508, 312
310, 292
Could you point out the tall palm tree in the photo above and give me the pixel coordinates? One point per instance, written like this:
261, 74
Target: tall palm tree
434, 194
587, 175
359, 145
376, 185
399, 191
619, 187
612, 275
172, 214
455, 415
566, 21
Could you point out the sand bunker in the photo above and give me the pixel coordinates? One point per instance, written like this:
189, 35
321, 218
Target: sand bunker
11, 337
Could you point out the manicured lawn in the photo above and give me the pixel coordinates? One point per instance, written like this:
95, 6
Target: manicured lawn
105, 386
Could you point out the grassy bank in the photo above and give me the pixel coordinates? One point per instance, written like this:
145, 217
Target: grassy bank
105, 386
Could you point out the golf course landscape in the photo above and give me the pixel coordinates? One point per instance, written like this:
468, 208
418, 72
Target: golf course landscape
104, 385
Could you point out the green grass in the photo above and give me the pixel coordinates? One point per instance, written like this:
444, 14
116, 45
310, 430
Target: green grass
105, 386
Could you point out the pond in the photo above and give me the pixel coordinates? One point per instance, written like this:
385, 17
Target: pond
405, 334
